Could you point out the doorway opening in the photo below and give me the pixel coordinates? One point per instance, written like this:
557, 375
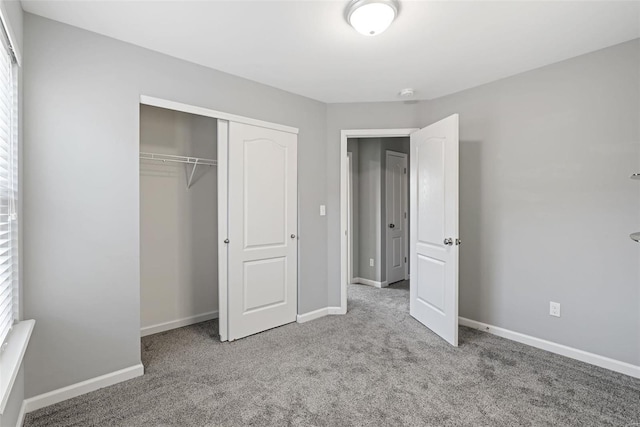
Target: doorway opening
433, 212
347, 270
377, 210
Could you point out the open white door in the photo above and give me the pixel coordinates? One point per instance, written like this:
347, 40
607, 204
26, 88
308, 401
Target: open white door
434, 227
262, 291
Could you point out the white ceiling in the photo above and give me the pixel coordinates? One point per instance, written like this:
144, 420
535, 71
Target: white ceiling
306, 47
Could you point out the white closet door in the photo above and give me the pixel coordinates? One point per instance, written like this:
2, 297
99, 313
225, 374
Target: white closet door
262, 292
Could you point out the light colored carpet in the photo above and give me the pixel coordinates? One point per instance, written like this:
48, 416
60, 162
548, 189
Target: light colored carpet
374, 366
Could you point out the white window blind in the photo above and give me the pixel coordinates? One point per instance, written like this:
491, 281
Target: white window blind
8, 190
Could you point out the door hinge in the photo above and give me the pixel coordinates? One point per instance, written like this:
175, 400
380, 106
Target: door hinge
405, 171
405, 215
405, 260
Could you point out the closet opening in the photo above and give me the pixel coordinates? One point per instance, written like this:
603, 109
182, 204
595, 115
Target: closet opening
178, 219
218, 220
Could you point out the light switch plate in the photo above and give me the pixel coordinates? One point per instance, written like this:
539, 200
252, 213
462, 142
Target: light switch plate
554, 309
323, 210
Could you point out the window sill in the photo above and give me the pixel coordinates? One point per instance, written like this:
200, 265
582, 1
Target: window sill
11, 358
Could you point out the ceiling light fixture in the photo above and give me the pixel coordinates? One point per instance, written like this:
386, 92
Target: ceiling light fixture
371, 17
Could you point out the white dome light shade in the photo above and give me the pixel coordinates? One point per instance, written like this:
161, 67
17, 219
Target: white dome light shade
371, 17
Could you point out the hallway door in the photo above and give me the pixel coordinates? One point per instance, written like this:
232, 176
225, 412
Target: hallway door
396, 216
434, 227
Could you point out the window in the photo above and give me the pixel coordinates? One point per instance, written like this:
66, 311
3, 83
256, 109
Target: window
8, 190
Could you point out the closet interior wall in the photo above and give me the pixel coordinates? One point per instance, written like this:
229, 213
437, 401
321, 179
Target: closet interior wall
178, 225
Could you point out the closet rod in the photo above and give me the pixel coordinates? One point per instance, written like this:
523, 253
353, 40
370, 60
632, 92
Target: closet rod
178, 159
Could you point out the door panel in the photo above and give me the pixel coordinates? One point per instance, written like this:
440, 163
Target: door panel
397, 252
433, 295
396, 198
265, 284
434, 227
265, 190
262, 292
430, 158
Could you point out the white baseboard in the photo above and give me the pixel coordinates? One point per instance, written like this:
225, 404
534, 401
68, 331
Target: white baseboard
362, 281
321, 312
313, 315
337, 310
179, 323
563, 350
78, 389
21, 414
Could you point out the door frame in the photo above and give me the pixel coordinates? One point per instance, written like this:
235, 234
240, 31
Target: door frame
350, 217
405, 208
345, 134
223, 200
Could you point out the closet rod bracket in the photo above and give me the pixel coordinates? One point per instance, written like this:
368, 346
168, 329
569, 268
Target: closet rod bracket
193, 172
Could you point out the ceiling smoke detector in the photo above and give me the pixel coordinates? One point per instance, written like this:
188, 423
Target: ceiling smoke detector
371, 17
407, 93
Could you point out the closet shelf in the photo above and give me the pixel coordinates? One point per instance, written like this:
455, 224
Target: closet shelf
178, 159
195, 161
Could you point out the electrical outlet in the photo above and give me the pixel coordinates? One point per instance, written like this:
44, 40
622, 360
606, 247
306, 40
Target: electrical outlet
554, 309
370, 262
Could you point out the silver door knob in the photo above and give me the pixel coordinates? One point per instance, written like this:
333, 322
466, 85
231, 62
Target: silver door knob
226, 240
293, 236
392, 226
448, 241
458, 242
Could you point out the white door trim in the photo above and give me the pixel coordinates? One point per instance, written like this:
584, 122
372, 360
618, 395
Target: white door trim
344, 136
201, 111
223, 228
405, 208
350, 218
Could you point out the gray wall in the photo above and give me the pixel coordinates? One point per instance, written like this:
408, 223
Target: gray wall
82, 258
178, 225
354, 149
369, 243
546, 205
